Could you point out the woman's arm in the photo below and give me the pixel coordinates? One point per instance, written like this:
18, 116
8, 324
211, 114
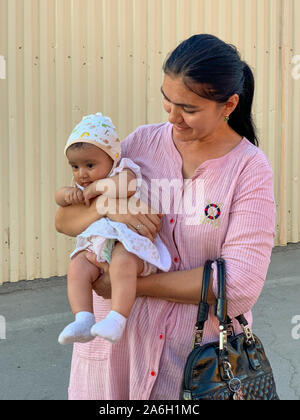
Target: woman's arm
121, 185
124, 185
176, 286
74, 219
249, 239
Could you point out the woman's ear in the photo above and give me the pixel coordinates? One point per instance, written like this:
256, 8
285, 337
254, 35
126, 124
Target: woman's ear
231, 104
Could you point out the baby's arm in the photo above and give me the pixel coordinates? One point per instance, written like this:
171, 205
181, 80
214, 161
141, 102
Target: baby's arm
122, 185
69, 195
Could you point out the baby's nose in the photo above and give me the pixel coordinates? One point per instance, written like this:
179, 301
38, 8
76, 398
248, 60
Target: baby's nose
82, 172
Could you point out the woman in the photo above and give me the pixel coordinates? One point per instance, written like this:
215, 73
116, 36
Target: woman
210, 137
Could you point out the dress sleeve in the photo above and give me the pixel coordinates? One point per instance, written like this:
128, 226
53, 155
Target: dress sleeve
127, 163
249, 239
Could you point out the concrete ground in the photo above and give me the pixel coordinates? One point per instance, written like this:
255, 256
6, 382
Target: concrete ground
33, 366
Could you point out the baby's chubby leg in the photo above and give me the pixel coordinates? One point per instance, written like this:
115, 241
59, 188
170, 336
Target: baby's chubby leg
124, 270
81, 275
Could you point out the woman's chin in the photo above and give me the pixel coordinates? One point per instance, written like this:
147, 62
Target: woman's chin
181, 133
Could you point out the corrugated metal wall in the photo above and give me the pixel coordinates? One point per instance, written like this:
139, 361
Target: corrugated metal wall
68, 58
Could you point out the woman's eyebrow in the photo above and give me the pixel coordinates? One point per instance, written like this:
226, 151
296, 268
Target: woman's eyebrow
184, 105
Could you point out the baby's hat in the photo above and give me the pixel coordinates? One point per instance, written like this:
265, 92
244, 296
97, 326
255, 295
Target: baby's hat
98, 130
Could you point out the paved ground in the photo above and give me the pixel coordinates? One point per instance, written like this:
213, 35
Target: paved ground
34, 367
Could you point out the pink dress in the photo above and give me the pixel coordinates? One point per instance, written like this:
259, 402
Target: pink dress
236, 222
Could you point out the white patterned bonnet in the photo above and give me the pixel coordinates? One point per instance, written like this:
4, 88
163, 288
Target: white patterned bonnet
98, 130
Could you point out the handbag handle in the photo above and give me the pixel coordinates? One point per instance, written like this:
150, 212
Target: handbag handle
221, 301
203, 307
220, 304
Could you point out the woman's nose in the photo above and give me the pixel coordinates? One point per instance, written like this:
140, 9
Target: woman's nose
175, 115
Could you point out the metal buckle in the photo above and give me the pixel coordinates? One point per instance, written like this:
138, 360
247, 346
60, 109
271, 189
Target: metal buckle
228, 371
197, 338
249, 334
187, 395
222, 338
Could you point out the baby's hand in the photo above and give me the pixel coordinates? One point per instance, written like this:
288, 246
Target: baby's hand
74, 195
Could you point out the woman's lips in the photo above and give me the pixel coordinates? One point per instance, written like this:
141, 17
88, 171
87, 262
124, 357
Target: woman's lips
180, 128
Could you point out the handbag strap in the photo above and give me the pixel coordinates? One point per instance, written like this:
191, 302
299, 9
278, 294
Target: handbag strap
221, 301
203, 307
220, 305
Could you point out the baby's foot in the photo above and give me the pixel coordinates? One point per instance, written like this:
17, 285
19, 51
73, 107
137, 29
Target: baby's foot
79, 330
111, 328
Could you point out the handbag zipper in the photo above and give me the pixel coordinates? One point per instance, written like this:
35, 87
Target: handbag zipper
189, 364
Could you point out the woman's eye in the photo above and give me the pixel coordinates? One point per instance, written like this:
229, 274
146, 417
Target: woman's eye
188, 112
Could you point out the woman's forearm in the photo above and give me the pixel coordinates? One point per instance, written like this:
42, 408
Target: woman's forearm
176, 286
74, 219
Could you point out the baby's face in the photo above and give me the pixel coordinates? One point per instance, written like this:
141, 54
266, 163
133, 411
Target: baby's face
89, 163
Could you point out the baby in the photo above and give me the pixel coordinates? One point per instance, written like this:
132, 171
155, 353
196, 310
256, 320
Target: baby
94, 153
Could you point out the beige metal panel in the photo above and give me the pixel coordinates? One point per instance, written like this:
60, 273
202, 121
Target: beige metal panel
295, 188
95, 57
31, 218
183, 19
125, 66
155, 60
272, 88
16, 140
68, 58
47, 135
196, 16
110, 88
64, 121
79, 59
168, 43
139, 87
4, 188
286, 123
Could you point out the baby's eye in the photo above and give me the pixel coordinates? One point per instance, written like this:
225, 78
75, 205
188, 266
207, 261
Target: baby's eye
90, 165
74, 166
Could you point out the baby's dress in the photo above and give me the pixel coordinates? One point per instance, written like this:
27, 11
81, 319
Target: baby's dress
101, 236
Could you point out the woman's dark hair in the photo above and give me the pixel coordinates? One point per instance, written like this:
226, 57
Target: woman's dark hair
213, 69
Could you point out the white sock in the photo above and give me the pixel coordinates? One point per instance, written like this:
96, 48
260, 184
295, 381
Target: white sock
79, 330
111, 328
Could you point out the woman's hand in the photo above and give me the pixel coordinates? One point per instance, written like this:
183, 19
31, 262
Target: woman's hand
144, 223
102, 285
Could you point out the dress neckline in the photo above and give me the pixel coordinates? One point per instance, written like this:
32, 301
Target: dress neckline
209, 162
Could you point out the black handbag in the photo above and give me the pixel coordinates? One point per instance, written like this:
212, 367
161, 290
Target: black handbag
236, 366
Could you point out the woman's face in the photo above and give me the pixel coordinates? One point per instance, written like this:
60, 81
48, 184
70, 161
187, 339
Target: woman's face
89, 163
193, 117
